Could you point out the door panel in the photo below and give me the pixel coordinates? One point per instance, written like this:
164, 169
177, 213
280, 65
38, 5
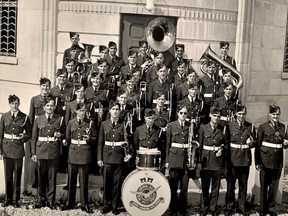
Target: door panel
134, 29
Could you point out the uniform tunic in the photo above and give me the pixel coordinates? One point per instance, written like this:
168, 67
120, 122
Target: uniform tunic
79, 158
271, 161
12, 151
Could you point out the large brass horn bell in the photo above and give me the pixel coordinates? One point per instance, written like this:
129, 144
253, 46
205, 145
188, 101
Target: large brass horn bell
160, 34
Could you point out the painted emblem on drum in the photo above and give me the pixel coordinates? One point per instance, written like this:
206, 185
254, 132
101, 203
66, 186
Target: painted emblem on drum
146, 194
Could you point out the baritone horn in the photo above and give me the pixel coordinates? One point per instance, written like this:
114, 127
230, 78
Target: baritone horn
160, 34
85, 56
211, 55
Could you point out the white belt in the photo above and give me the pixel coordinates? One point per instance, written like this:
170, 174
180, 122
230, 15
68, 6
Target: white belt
11, 136
109, 143
148, 149
271, 145
166, 102
239, 146
179, 145
46, 139
211, 148
78, 142
208, 95
224, 118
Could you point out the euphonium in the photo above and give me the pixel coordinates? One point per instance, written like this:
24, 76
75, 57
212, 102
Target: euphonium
211, 55
193, 145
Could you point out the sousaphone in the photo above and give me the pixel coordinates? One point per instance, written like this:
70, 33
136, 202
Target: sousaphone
160, 34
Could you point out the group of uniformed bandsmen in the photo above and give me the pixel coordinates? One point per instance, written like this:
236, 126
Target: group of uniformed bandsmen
102, 113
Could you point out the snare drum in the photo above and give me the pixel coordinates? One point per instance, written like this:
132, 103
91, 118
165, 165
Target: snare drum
148, 160
146, 192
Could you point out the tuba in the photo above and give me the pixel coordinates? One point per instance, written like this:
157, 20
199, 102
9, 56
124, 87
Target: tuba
160, 34
211, 55
85, 56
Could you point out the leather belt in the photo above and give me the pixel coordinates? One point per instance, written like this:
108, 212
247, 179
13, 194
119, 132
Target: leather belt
78, 142
211, 148
224, 118
155, 101
208, 95
147, 149
271, 145
239, 146
179, 145
11, 136
109, 143
46, 139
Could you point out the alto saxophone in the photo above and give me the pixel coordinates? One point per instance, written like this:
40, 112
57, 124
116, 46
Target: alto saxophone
192, 146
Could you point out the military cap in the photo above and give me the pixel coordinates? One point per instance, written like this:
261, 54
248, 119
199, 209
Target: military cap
161, 66
210, 62
80, 105
121, 92
177, 46
181, 106
274, 109
240, 108
223, 43
44, 80
61, 71
192, 85
13, 98
101, 48
48, 99
149, 112
101, 61
78, 86
132, 52
142, 42
225, 85
72, 34
158, 94
113, 103
96, 74
214, 110
225, 70
112, 44
128, 77
181, 63
68, 60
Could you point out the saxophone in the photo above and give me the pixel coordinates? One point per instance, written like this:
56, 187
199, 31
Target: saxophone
192, 146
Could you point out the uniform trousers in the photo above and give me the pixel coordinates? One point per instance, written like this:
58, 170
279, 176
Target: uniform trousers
209, 202
73, 170
47, 173
240, 173
269, 182
112, 180
13, 172
177, 176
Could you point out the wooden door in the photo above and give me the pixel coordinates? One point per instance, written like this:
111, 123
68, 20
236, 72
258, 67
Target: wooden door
133, 29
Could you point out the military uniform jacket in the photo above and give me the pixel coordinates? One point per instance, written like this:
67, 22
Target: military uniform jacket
271, 158
151, 74
43, 128
14, 148
210, 87
125, 70
221, 91
161, 120
211, 138
143, 138
71, 110
80, 154
110, 154
68, 55
177, 80
177, 157
194, 108
230, 60
115, 64
155, 87
142, 58
238, 156
62, 97
173, 64
225, 105
36, 107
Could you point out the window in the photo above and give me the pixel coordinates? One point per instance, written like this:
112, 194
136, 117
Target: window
8, 27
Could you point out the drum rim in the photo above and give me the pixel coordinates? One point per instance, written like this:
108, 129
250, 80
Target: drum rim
148, 152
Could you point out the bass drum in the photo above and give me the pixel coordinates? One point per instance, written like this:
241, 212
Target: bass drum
146, 192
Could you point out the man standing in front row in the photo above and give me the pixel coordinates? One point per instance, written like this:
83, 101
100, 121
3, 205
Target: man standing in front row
12, 139
48, 129
271, 139
242, 139
110, 156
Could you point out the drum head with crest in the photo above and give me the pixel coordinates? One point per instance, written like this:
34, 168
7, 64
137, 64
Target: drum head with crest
146, 192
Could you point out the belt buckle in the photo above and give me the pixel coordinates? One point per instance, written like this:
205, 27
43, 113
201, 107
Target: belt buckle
47, 138
113, 144
12, 137
78, 141
213, 148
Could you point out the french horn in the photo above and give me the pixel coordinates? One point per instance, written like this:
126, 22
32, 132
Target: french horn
160, 34
209, 54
